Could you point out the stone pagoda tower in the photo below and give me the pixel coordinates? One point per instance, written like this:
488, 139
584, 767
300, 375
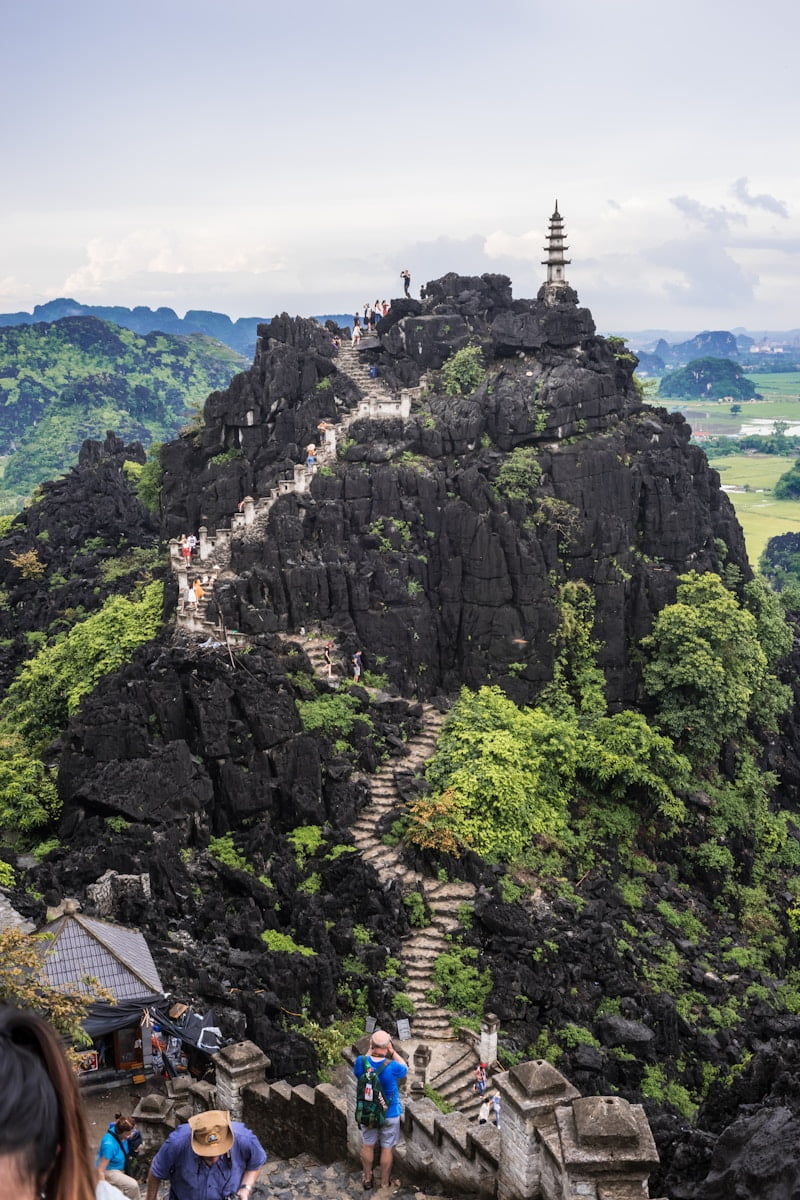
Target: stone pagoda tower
555, 261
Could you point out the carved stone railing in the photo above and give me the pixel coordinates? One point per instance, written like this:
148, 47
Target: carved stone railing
551, 1142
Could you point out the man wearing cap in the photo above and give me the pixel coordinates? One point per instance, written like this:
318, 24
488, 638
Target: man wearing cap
382, 1054
209, 1158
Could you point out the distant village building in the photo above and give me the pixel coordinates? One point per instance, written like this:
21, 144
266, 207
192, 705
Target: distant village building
555, 261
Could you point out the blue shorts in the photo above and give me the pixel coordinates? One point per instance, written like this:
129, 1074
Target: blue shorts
387, 1136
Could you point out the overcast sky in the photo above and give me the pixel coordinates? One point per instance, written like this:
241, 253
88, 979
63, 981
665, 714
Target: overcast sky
251, 156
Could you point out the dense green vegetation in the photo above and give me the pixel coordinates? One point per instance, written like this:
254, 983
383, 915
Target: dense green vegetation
788, 486
565, 789
47, 691
506, 780
74, 379
463, 371
708, 378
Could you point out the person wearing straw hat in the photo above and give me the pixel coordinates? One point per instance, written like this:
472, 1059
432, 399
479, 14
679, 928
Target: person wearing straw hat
208, 1158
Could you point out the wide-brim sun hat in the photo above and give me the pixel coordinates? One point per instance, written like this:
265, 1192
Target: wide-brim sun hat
212, 1133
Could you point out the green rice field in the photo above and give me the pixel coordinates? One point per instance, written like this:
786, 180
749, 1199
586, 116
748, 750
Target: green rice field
759, 515
781, 402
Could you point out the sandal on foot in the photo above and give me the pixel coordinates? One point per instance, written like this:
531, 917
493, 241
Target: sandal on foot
367, 1183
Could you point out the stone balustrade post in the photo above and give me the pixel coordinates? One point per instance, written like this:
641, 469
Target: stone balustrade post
155, 1119
238, 1066
530, 1094
174, 551
607, 1151
487, 1049
204, 545
301, 478
221, 546
249, 510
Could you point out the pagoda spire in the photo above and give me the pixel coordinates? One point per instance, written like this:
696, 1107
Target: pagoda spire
555, 261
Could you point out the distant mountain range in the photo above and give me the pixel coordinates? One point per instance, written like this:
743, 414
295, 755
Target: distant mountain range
67, 380
778, 352
240, 335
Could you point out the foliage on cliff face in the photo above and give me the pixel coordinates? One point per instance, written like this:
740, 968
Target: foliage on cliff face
463, 371
504, 777
76, 378
569, 774
708, 670
48, 690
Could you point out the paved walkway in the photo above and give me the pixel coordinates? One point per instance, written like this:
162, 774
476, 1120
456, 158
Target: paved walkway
450, 1072
303, 1178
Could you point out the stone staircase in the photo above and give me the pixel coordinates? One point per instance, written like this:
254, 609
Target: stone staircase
452, 1066
450, 1072
250, 524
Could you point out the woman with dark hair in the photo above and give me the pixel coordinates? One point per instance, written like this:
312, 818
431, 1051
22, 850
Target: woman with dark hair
114, 1155
44, 1150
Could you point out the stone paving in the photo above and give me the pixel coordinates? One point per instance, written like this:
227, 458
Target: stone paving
303, 1178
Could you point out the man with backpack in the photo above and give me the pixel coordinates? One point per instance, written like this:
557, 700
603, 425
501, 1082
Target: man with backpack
378, 1108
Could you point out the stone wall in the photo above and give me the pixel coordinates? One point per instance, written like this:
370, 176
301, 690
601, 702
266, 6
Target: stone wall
551, 1142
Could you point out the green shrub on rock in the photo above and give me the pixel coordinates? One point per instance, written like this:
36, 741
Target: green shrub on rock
463, 371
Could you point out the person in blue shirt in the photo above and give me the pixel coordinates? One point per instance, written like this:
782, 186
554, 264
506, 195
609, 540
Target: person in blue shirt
382, 1051
112, 1157
208, 1158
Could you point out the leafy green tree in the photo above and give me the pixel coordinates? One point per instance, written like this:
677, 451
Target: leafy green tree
520, 475
21, 958
707, 670
148, 484
28, 794
788, 486
459, 983
708, 379
624, 759
780, 565
578, 684
463, 371
505, 774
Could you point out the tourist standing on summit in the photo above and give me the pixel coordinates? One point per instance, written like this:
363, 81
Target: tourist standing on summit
405, 275
382, 1056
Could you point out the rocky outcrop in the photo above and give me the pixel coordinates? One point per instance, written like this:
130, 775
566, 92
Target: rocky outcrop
76, 528
411, 541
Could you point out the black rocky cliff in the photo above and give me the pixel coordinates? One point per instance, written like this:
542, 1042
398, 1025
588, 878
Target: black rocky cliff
410, 544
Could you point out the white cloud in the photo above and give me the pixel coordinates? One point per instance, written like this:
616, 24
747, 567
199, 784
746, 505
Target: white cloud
161, 251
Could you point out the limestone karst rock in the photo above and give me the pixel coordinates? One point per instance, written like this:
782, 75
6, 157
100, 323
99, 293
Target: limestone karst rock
409, 542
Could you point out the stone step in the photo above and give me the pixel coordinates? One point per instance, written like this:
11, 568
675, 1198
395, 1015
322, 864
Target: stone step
419, 976
423, 952
452, 889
